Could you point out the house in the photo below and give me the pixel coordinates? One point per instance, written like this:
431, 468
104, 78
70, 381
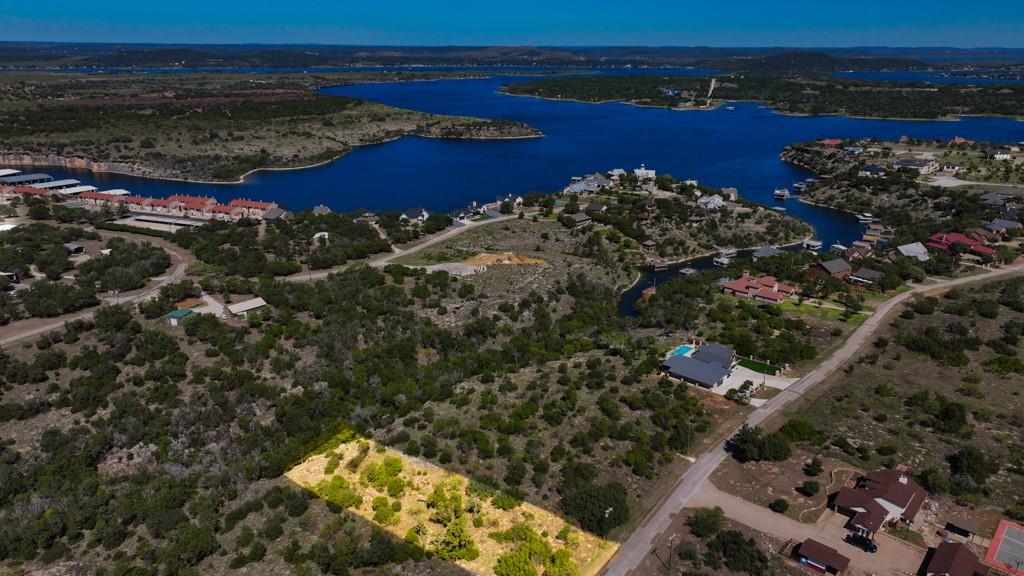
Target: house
922, 166
761, 289
649, 244
837, 268
765, 252
708, 367
914, 250
1001, 226
713, 202
642, 173
514, 201
11, 277
872, 171
243, 308
252, 208
946, 241
995, 198
368, 217
831, 142
866, 276
596, 207
175, 317
25, 179
579, 220
276, 213
74, 248
998, 154
821, 558
953, 559
879, 498
321, 238
415, 215
321, 210
730, 194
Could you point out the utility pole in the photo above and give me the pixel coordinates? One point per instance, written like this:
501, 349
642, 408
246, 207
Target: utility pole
672, 539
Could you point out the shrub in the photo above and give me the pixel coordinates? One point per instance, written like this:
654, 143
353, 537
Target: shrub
810, 488
779, 505
706, 522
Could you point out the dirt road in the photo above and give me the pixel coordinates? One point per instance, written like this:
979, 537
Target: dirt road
633, 551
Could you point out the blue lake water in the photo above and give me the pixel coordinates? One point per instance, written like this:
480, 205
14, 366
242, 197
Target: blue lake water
738, 148
930, 76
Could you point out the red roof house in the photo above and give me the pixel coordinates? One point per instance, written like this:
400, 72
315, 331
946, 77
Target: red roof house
762, 288
880, 498
944, 242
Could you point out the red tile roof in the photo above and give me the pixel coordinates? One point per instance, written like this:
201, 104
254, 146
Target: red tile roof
221, 209
29, 190
832, 142
944, 241
136, 199
893, 486
764, 287
185, 199
250, 204
98, 196
159, 202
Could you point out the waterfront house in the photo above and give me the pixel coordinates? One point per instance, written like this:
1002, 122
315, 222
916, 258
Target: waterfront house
837, 268
253, 208
953, 559
415, 215
946, 241
914, 250
643, 173
866, 276
649, 244
708, 367
321, 210
922, 166
998, 154
821, 558
28, 190
831, 142
596, 207
713, 202
879, 498
579, 220
1001, 226
872, 171
730, 194
759, 288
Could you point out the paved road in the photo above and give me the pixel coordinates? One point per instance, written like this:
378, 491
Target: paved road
384, 260
633, 551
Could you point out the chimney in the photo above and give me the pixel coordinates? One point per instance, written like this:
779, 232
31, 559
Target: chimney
902, 478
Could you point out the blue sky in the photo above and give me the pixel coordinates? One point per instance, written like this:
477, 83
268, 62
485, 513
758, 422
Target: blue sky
547, 22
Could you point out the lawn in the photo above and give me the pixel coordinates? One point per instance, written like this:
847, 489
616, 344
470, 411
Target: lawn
824, 313
759, 367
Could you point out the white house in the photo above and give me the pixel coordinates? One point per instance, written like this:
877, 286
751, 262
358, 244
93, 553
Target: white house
243, 308
642, 173
415, 215
713, 202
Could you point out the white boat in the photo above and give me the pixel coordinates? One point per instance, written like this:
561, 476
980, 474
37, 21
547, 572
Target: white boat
837, 248
730, 108
865, 218
812, 244
722, 261
688, 271
727, 252
800, 186
779, 209
782, 193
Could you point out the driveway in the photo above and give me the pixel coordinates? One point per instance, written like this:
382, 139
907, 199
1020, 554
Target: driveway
741, 374
894, 557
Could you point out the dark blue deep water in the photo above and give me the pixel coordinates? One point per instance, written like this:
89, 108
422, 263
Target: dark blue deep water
737, 148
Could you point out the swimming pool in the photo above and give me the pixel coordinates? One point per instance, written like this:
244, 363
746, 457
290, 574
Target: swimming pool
682, 350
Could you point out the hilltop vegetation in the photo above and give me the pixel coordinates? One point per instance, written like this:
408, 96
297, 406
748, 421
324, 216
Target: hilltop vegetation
791, 94
204, 127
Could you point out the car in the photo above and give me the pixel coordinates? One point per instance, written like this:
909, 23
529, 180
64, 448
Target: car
863, 542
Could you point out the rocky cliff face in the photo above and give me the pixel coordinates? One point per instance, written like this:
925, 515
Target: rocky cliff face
36, 160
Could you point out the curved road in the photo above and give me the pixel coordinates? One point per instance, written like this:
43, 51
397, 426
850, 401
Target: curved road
635, 549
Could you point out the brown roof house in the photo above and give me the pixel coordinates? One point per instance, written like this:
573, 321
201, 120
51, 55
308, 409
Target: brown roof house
821, 558
953, 559
879, 498
837, 268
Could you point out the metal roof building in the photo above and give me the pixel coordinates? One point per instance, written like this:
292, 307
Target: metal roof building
56, 184
26, 179
5, 172
77, 189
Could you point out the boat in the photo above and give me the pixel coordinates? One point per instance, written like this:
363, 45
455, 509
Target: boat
779, 209
782, 193
687, 271
865, 218
800, 186
812, 244
658, 265
730, 108
727, 252
722, 261
838, 248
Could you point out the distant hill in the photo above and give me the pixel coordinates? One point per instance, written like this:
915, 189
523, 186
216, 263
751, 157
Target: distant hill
769, 59
809, 61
